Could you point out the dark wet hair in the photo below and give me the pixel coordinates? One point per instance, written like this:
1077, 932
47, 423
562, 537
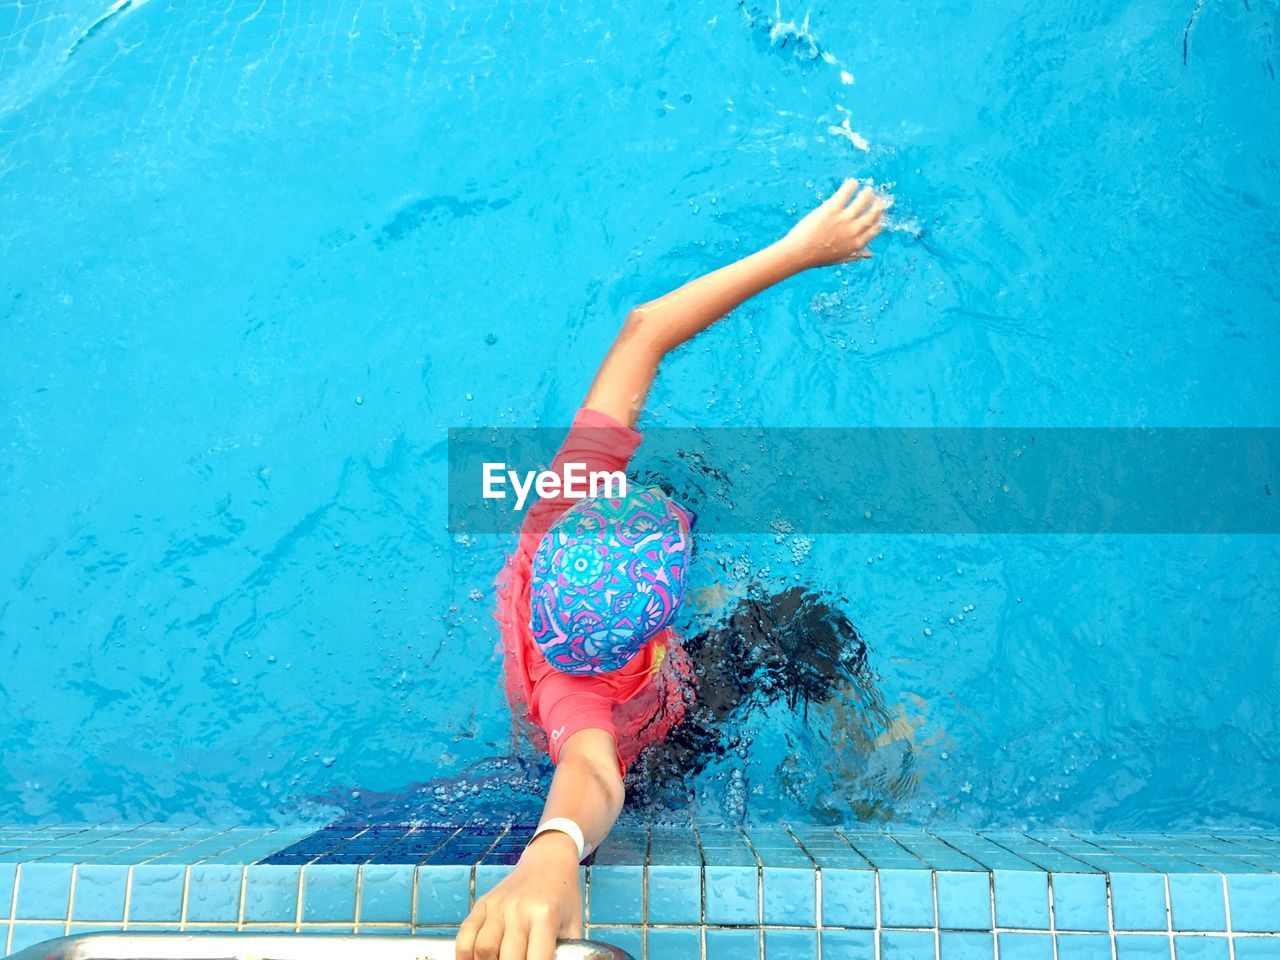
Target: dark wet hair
794, 646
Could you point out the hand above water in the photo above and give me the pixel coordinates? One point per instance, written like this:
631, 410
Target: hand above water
534, 905
838, 231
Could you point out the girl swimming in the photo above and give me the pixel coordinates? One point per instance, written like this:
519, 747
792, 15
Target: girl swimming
586, 600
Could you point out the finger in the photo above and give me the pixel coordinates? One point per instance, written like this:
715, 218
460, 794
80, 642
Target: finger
572, 929
464, 944
542, 940
515, 940
489, 939
869, 226
841, 196
860, 203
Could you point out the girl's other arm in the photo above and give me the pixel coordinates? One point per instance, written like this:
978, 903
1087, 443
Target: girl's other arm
539, 901
838, 231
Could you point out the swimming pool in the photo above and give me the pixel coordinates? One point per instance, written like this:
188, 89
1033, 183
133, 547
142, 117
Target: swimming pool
260, 257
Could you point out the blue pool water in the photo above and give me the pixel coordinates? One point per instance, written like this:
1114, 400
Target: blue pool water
258, 257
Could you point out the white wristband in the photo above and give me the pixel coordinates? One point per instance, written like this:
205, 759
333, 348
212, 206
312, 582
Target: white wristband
565, 826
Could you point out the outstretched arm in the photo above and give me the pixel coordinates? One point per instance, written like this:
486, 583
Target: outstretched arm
836, 232
539, 901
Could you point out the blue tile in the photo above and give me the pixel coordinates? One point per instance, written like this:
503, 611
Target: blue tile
674, 943
386, 893
1197, 901
1254, 899
444, 893
791, 944
1025, 946
906, 945
155, 893
733, 894
7, 872
966, 946
489, 875
1257, 948
675, 894
847, 945
213, 893
1022, 899
26, 934
329, 893
1140, 946
848, 898
99, 893
271, 893
617, 894
628, 939
1080, 901
964, 900
44, 892
1138, 901
1084, 946
733, 944
1202, 948
906, 898
790, 896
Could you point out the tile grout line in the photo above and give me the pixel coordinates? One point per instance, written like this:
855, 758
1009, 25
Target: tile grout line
876, 875
759, 890
995, 942
244, 880
1226, 904
359, 904
937, 921
817, 888
644, 895
297, 899
186, 893
128, 897
702, 894
1111, 919
13, 910
71, 897
1053, 911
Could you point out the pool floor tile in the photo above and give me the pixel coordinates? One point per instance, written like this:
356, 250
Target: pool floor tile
790, 896
1025, 946
1202, 948
848, 945
964, 900
674, 943
966, 946
155, 893
1138, 901
1197, 902
1255, 902
1022, 899
849, 898
733, 944
329, 893
790, 944
907, 945
386, 893
733, 894
1080, 901
99, 893
906, 898
616, 893
1084, 946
